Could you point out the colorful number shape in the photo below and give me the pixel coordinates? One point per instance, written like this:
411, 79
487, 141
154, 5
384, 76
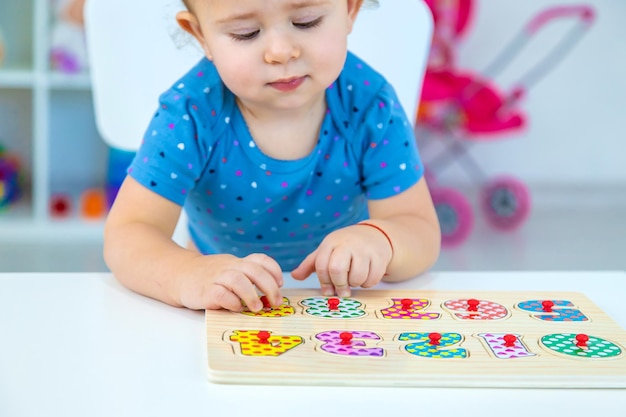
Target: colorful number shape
485, 310
566, 344
561, 311
348, 308
421, 346
497, 345
413, 312
276, 345
333, 343
281, 311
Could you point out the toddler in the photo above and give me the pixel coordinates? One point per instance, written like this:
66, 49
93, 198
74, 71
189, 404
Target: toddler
288, 154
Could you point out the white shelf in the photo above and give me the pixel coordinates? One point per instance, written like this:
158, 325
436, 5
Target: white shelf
60, 81
16, 78
46, 118
53, 231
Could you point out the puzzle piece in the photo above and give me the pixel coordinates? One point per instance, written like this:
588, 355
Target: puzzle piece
502, 349
251, 344
281, 311
348, 308
409, 309
335, 342
567, 344
563, 312
472, 309
422, 345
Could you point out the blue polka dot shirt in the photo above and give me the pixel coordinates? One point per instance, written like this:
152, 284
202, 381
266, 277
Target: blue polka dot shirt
197, 152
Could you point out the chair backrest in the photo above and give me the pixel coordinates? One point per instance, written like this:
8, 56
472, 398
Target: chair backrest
133, 57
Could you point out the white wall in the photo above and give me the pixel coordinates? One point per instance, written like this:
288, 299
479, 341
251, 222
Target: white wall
577, 113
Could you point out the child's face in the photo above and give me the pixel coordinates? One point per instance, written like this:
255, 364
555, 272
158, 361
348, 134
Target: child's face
278, 54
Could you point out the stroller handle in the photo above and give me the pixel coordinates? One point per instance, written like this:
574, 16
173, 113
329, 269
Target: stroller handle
583, 12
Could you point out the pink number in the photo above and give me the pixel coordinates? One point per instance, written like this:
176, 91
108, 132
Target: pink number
409, 309
505, 345
471, 309
349, 343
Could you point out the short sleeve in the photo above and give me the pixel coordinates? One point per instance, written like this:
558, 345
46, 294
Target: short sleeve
170, 160
390, 159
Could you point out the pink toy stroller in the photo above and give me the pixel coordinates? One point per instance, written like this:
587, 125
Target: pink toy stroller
458, 107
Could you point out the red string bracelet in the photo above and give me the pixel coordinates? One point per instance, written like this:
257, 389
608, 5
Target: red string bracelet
380, 230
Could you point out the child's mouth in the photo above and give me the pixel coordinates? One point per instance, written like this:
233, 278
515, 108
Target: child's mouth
288, 84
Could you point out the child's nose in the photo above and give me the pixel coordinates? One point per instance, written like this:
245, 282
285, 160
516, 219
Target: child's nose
280, 48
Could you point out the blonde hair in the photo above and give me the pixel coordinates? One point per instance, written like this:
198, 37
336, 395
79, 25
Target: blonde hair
366, 3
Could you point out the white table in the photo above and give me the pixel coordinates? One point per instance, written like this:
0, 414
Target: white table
83, 345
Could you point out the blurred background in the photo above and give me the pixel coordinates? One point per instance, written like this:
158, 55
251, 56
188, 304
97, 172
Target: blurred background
551, 128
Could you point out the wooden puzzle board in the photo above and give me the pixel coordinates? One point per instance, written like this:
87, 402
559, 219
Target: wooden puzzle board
391, 342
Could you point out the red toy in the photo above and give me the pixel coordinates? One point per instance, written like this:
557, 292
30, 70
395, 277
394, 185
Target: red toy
459, 106
60, 205
93, 203
9, 178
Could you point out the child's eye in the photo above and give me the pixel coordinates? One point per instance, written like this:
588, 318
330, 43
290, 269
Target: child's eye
309, 24
245, 36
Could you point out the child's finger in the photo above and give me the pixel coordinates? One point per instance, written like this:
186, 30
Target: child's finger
268, 264
221, 297
268, 286
338, 267
240, 284
306, 267
265, 274
321, 269
376, 273
359, 271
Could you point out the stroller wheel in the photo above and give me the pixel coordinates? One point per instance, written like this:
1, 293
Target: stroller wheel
455, 216
506, 203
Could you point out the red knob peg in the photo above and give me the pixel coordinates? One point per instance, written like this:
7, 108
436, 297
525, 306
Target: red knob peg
406, 303
266, 302
346, 338
547, 306
472, 304
263, 336
434, 338
509, 340
333, 303
581, 340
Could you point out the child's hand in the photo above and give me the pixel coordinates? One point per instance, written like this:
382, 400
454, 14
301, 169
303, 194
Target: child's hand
226, 281
354, 256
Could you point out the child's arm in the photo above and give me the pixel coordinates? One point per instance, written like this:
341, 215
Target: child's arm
411, 222
141, 254
402, 242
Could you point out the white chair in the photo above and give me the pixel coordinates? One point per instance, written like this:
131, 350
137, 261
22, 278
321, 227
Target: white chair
133, 58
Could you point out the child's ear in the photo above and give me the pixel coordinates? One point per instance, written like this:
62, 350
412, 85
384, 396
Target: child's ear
188, 22
353, 10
